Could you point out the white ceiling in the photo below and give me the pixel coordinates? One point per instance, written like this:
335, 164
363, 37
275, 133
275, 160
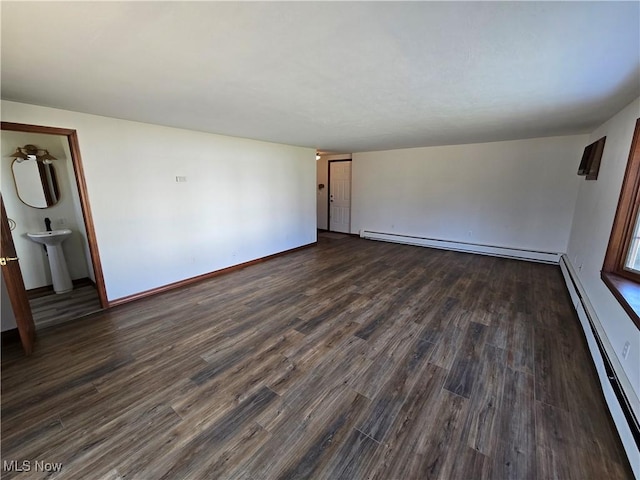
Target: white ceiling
338, 76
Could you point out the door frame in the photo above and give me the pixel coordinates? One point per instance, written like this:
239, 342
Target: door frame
76, 159
329, 162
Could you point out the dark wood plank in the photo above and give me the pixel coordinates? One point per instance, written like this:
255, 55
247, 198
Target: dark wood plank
448, 345
53, 309
217, 434
391, 397
549, 372
554, 442
437, 454
486, 398
515, 454
354, 458
500, 331
444, 310
327, 442
466, 367
385, 352
396, 459
521, 345
298, 438
470, 464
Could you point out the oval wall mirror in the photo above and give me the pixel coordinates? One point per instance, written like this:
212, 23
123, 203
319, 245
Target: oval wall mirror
36, 183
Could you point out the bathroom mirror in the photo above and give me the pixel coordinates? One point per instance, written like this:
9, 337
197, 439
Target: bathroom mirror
36, 182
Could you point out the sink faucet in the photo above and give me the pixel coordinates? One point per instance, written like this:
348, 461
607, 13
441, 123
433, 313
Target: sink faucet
47, 223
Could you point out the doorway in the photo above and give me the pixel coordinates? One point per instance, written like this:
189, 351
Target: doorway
339, 196
16, 286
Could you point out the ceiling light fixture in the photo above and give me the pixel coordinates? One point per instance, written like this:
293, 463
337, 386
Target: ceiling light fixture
31, 152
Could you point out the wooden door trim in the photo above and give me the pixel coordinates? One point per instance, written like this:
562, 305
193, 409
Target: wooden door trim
329, 162
85, 204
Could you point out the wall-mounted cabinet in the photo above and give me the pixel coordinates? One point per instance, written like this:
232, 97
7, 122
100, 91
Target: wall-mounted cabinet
590, 163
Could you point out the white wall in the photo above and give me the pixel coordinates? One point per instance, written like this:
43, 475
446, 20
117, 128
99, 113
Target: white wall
243, 199
33, 259
518, 194
592, 222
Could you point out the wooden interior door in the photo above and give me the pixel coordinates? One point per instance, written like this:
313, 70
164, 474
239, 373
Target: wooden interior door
12, 277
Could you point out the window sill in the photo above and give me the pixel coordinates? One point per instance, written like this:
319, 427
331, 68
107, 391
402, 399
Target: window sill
626, 292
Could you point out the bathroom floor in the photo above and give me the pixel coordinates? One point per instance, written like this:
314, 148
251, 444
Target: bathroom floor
57, 308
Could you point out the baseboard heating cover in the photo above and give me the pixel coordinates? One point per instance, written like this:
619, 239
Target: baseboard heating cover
621, 399
507, 252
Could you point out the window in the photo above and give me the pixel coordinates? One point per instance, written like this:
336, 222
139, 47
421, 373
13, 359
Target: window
632, 262
621, 269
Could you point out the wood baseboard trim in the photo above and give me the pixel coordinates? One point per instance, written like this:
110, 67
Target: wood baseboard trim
200, 278
47, 289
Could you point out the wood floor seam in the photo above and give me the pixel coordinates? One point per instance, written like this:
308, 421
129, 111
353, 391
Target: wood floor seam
369, 436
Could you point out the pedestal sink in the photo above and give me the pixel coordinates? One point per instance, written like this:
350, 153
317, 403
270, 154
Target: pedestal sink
59, 271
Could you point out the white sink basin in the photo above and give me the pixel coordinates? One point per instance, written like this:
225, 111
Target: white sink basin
59, 271
54, 237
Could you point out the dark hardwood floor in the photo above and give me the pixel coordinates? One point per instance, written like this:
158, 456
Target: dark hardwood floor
53, 308
353, 359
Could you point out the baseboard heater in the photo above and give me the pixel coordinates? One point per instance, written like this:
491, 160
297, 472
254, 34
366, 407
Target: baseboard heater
507, 252
618, 392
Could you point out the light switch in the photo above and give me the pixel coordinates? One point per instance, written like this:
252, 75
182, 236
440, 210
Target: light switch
180, 179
